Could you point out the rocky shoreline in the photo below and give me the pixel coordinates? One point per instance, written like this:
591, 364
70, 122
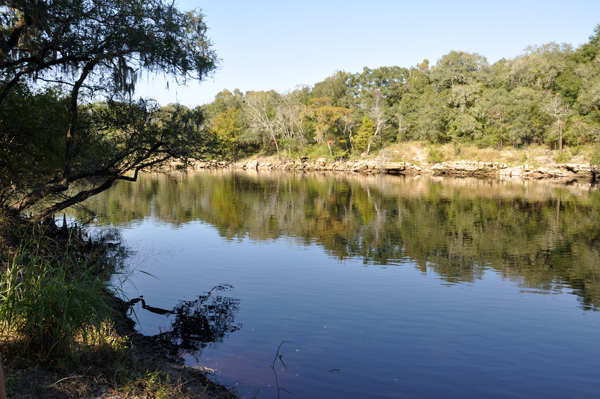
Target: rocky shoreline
449, 168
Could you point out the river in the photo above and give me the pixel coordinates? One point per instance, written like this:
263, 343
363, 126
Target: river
350, 286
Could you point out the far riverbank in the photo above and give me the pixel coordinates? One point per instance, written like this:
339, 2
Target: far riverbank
533, 162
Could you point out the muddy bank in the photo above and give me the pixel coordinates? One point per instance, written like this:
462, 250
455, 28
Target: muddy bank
449, 168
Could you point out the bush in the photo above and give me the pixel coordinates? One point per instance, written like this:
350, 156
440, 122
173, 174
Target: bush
563, 157
319, 151
435, 155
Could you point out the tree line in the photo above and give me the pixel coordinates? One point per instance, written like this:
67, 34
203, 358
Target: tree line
549, 95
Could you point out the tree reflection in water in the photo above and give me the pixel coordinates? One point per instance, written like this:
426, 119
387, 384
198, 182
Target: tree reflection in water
197, 324
542, 235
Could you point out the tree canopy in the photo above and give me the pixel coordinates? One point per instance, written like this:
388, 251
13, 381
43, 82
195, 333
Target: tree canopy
548, 95
60, 150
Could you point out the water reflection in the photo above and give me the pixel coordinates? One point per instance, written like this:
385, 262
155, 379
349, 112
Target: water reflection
197, 324
541, 235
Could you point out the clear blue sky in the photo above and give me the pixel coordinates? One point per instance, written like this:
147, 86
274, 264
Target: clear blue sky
266, 45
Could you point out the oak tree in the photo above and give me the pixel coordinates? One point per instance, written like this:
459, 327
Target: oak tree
97, 49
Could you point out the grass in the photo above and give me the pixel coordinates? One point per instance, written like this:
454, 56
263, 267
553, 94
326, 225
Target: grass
435, 155
423, 153
52, 302
155, 383
419, 153
60, 334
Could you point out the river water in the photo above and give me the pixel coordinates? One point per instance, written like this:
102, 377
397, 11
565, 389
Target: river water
351, 286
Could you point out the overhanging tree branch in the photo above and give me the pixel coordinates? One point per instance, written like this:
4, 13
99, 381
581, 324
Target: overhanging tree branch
87, 45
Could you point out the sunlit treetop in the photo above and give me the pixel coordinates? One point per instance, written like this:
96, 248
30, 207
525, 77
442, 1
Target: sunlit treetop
114, 39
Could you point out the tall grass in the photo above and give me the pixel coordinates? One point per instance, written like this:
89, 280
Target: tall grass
51, 299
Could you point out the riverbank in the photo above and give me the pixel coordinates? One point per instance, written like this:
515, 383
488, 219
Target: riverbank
101, 355
533, 162
142, 369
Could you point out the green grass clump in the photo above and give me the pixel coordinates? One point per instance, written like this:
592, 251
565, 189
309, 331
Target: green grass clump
52, 302
435, 155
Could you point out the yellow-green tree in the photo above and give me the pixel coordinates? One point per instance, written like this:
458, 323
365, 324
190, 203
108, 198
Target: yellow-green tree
226, 127
364, 134
327, 122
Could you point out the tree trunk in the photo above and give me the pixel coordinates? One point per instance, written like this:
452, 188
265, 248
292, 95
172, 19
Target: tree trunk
276, 145
560, 138
73, 115
371, 138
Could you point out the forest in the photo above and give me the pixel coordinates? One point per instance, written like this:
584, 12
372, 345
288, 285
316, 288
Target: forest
549, 95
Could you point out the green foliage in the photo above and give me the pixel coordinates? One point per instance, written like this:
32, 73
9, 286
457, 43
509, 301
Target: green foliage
53, 55
563, 157
158, 384
464, 127
320, 151
102, 41
595, 161
227, 126
459, 68
435, 155
457, 148
364, 134
114, 138
488, 141
460, 99
31, 127
52, 301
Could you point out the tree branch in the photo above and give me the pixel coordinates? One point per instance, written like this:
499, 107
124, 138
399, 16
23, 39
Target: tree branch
79, 197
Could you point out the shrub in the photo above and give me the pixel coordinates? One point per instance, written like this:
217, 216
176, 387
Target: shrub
435, 155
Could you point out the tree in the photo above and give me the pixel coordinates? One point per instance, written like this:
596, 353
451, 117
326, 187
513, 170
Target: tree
260, 112
498, 115
556, 108
402, 127
224, 101
464, 126
378, 117
95, 47
327, 118
289, 115
335, 88
540, 66
226, 127
363, 135
458, 68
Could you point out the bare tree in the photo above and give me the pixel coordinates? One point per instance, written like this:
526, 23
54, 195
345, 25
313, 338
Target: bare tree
556, 108
289, 115
402, 126
377, 116
260, 111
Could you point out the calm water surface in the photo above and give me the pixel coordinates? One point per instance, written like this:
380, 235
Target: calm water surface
378, 286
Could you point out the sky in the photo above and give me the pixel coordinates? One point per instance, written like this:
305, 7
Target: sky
278, 45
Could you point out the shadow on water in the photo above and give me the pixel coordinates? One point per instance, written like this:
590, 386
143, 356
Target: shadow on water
197, 324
